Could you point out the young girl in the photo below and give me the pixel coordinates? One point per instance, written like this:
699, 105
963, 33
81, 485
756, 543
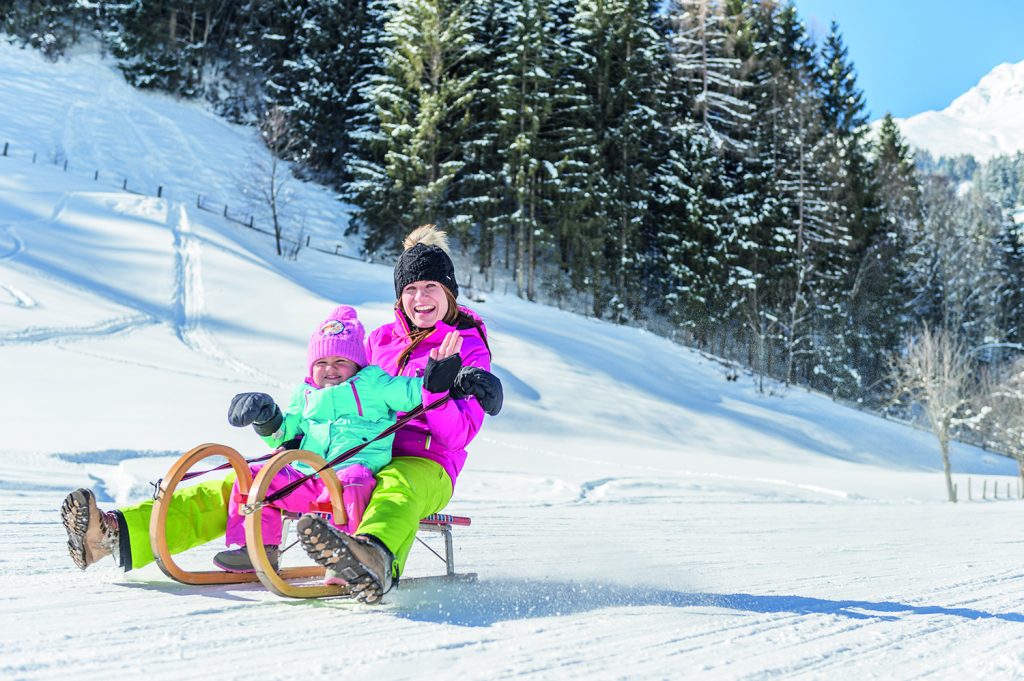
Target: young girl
342, 403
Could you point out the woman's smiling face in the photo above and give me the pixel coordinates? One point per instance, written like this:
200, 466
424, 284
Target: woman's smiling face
425, 303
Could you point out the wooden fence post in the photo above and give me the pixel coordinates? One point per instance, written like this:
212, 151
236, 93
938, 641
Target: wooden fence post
6, 144
984, 489
199, 200
250, 222
160, 192
65, 165
225, 210
96, 176
307, 241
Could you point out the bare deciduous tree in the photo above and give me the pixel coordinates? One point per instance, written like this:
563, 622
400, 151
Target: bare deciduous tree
935, 371
270, 174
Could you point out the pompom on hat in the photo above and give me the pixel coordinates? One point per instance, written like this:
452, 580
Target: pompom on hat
425, 259
341, 335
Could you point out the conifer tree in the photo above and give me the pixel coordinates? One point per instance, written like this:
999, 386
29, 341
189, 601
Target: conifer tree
622, 77
524, 63
878, 289
50, 27
479, 201
317, 86
421, 98
707, 68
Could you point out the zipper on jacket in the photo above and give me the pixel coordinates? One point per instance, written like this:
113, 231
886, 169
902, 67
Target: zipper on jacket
355, 394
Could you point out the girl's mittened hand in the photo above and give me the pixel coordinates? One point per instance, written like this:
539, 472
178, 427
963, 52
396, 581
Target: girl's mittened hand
246, 408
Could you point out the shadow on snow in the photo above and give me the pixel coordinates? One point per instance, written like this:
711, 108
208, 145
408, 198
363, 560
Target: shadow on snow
488, 602
485, 603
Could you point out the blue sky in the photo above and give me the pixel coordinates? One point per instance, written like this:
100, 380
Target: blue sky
917, 55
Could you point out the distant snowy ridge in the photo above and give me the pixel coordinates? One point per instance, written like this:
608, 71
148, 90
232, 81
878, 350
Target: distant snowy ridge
985, 121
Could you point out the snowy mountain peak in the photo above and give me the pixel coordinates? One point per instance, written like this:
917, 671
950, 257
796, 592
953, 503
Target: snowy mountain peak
1001, 90
985, 121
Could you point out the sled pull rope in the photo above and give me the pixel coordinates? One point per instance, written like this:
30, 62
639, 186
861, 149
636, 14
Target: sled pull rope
196, 474
347, 454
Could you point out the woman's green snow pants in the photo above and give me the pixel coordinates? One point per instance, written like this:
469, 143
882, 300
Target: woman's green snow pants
196, 515
408, 489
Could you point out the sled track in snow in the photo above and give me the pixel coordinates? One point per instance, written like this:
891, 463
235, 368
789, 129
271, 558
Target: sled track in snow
21, 299
107, 327
17, 245
189, 299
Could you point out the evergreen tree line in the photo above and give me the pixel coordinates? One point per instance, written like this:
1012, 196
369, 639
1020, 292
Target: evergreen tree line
699, 167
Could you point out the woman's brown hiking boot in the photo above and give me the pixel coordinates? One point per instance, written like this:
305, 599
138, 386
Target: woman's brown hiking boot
92, 533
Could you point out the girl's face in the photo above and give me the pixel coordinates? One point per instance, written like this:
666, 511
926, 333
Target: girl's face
425, 303
333, 370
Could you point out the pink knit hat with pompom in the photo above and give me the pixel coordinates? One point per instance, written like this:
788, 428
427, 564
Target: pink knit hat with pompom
341, 334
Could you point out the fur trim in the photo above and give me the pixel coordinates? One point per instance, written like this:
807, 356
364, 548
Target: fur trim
428, 235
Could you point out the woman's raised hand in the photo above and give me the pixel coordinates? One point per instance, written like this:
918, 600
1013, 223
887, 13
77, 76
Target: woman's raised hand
451, 345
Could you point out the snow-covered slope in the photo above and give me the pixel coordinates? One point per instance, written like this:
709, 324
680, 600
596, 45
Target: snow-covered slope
636, 515
985, 121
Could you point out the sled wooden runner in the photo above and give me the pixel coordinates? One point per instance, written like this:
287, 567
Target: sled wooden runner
161, 506
275, 581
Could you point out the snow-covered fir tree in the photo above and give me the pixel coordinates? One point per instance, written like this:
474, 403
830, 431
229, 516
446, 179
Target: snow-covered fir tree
624, 84
525, 62
707, 69
879, 310
317, 86
421, 96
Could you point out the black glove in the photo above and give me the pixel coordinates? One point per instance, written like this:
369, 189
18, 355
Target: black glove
483, 385
259, 409
440, 374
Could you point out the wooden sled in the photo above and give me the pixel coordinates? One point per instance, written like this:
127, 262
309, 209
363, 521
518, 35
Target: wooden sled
254, 492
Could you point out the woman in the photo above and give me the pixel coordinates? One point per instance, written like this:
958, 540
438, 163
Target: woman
428, 452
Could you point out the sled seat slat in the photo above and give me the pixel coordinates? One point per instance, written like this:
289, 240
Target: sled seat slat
445, 519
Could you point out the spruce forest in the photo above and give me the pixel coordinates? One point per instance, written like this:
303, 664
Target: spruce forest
702, 168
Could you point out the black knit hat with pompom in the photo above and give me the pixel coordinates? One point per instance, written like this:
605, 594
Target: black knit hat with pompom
425, 262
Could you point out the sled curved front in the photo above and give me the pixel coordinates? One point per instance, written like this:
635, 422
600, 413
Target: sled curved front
158, 521
275, 581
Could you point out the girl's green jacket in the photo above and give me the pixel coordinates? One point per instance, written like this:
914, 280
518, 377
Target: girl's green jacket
334, 419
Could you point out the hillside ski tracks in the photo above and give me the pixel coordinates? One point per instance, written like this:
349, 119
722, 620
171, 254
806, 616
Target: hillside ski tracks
189, 300
11, 246
9, 249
